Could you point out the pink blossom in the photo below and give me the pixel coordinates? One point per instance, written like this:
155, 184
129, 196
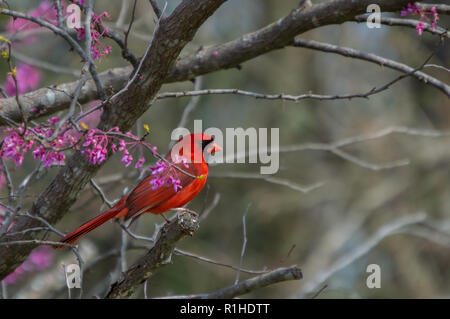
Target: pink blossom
114, 147
157, 183
107, 50
158, 168
28, 78
44, 11
420, 27
140, 162
160, 177
127, 158
53, 120
81, 32
94, 143
413, 9
175, 182
410, 9
18, 143
98, 49
95, 146
15, 147
178, 159
122, 144
41, 258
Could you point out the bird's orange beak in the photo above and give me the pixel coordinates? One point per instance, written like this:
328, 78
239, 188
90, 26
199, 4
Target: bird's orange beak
213, 148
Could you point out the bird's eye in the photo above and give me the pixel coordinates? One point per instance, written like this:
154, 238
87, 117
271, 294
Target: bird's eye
206, 142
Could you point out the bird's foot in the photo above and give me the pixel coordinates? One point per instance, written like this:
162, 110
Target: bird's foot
186, 210
165, 218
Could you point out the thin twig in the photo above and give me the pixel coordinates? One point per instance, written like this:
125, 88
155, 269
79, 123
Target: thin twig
319, 292
246, 286
122, 13
215, 262
156, 9
59, 14
101, 193
89, 59
36, 242
363, 248
42, 220
370, 57
270, 179
190, 107
244, 244
130, 25
205, 213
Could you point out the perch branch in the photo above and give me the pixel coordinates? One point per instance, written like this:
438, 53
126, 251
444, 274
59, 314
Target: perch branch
246, 286
158, 256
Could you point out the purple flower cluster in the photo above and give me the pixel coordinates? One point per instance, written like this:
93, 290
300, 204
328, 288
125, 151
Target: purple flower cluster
413, 9
175, 182
163, 173
98, 49
96, 144
18, 143
15, 146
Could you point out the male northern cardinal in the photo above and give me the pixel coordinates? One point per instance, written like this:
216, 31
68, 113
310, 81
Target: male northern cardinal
146, 198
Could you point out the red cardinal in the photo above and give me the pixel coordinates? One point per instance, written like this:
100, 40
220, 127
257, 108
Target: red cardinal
187, 154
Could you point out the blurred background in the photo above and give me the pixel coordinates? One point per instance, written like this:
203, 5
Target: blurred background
332, 232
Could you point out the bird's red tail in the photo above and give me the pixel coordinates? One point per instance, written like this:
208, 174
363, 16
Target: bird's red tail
116, 211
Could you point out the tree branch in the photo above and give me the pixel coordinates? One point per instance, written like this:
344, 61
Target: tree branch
440, 8
224, 56
274, 36
246, 286
370, 57
407, 23
160, 255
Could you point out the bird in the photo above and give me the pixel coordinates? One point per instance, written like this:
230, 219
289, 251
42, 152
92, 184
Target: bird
179, 178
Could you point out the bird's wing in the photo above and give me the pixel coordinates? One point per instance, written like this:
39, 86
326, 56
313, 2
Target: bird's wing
144, 197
